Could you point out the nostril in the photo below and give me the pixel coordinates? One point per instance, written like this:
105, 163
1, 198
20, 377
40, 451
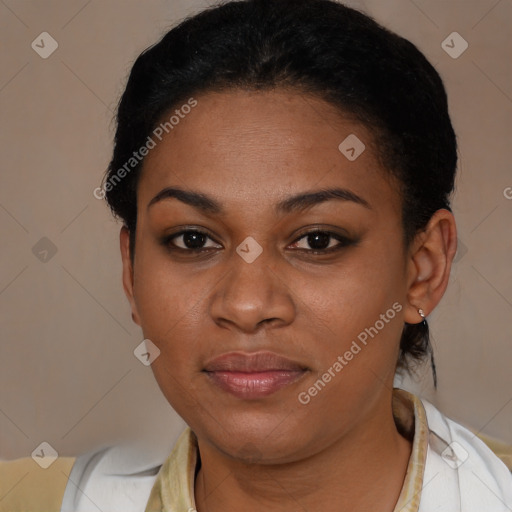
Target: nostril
268, 320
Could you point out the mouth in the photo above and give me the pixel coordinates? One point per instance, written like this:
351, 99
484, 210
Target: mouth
253, 375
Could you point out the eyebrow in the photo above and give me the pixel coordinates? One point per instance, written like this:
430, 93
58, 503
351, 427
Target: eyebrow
291, 204
308, 199
195, 199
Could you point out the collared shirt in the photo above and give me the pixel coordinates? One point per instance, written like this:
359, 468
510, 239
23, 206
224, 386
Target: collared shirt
174, 487
450, 470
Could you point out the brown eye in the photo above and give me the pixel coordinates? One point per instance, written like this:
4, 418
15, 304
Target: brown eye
318, 240
321, 241
191, 240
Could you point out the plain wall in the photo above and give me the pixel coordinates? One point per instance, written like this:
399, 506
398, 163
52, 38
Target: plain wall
68, 375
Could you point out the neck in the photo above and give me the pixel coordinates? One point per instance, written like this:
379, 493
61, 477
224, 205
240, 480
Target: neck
362, 470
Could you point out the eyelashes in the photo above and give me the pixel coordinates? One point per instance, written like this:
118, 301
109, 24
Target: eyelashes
194, 237
322, 237
195, 242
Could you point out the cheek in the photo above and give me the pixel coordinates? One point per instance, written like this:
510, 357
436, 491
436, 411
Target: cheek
170, 307
169, 302
355, 342
359, 301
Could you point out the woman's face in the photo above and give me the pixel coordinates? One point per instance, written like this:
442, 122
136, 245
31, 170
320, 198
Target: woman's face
269, 347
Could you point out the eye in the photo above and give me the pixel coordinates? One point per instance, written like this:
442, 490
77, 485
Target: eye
321, 242
191, 240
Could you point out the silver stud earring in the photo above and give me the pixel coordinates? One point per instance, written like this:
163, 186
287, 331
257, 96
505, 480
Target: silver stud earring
422, 314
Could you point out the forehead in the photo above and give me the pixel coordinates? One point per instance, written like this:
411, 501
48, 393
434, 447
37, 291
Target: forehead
259, 145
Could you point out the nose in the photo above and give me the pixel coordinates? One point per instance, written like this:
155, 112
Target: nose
252, 295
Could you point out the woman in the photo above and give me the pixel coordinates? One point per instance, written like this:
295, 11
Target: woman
283, 171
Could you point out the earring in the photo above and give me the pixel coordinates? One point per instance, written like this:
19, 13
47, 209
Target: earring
422, 314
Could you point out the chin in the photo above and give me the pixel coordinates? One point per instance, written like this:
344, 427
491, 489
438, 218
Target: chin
266, 439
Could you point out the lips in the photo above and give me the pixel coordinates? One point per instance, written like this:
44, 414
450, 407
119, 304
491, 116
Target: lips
253, 376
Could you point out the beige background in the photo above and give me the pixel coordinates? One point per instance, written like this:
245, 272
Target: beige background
68, 375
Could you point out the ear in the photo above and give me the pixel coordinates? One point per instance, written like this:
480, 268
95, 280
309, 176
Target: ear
429, 265
124, 240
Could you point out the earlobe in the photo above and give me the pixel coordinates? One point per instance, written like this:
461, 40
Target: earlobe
429, 265
128, 279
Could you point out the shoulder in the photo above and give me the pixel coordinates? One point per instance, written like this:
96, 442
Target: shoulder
118, 477
495, 454
459, 463
502, 450
25, 486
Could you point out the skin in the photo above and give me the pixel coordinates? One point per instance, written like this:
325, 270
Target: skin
249, 151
